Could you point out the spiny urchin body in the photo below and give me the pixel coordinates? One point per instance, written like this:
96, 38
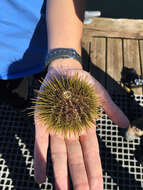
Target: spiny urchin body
67, 105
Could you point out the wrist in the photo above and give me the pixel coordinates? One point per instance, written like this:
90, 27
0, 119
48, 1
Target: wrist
63, 59
65, 64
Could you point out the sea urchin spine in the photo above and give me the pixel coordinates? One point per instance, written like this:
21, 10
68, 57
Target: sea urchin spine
67, 105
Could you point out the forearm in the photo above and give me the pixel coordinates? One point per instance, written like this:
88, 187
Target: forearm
65, 24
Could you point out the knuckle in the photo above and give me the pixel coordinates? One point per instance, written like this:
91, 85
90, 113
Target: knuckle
96, 183
81, 186
58, 155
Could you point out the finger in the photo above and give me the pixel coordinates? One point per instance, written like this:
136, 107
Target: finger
59, 159
76, 165
111, 109
115, 114
92, 160
40, 152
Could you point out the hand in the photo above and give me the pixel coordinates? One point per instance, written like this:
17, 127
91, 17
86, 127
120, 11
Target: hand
82, 153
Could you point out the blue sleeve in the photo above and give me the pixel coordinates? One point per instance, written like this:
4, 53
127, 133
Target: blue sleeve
23, 38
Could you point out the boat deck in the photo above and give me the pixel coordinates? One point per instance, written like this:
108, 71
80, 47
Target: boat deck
111, 44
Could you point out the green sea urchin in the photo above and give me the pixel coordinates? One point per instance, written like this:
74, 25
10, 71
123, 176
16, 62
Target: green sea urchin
67, 105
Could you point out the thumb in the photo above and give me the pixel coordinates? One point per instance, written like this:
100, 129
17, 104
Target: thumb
115, 114
111, 109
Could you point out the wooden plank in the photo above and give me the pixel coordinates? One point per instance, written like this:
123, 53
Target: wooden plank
141, 53
132, 59
114, 64
85, 54
141, 56
97, 57
117, 28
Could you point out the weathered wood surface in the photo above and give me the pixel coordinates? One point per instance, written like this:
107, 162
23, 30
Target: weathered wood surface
120, 46
131, 58
114, 61
98, 59
118, 28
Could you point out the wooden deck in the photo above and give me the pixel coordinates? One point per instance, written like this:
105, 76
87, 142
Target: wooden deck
111, 44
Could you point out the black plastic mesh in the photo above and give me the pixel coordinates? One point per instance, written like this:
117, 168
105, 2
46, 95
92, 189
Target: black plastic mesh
122, 168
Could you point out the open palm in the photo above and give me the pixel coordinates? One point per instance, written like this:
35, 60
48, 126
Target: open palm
79, 154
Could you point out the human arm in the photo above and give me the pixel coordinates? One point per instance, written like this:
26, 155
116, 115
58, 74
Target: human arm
64, 29
65, 25
82, 154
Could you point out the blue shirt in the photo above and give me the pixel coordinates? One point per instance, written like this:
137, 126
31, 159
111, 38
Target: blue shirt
23, 38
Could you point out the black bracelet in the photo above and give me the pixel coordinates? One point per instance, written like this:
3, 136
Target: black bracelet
64, 53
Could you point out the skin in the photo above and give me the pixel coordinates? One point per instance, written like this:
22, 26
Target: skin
78, 153
65, 23
64, 26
